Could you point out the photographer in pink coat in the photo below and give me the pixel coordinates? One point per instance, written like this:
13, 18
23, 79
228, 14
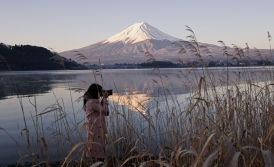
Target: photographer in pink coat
96, 129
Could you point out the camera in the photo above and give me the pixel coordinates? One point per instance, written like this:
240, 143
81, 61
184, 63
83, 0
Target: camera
109, 92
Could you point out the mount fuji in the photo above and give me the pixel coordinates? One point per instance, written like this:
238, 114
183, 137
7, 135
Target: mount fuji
130, 45
140, 32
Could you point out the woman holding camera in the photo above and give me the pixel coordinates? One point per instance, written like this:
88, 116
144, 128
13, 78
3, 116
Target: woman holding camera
96, 122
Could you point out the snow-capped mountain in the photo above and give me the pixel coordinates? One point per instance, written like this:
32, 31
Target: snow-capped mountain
140, 32
130, 45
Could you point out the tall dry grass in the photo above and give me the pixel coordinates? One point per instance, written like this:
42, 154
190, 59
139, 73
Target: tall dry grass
223, 121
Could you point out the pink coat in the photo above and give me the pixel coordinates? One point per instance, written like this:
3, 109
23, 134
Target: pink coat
96, 128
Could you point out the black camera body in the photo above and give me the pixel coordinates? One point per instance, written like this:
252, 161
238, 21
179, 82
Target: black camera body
109, 92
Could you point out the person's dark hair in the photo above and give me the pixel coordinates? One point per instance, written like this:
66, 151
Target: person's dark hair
93, 92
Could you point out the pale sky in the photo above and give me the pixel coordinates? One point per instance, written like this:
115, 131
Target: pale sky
69, 24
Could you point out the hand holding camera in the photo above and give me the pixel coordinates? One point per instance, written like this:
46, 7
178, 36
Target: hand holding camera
106, 93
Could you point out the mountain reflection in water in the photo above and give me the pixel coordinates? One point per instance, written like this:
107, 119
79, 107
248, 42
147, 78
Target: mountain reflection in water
134, 101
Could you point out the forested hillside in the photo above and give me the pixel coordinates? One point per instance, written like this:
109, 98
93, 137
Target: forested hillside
27, 57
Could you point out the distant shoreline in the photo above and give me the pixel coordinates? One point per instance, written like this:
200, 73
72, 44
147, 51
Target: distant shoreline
214, 67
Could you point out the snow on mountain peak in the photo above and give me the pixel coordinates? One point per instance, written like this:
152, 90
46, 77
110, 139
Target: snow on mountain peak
139, 32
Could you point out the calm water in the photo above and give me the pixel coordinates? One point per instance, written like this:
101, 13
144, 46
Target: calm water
43, 88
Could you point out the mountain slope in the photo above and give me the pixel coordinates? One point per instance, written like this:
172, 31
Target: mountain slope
129, 46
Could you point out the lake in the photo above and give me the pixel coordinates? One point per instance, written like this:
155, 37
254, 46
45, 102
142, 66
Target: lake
42, 91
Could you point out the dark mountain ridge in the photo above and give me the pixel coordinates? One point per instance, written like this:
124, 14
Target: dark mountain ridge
27, 57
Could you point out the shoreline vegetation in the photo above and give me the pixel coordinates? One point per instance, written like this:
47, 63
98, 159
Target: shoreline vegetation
30, 58
222, 123
27, 58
